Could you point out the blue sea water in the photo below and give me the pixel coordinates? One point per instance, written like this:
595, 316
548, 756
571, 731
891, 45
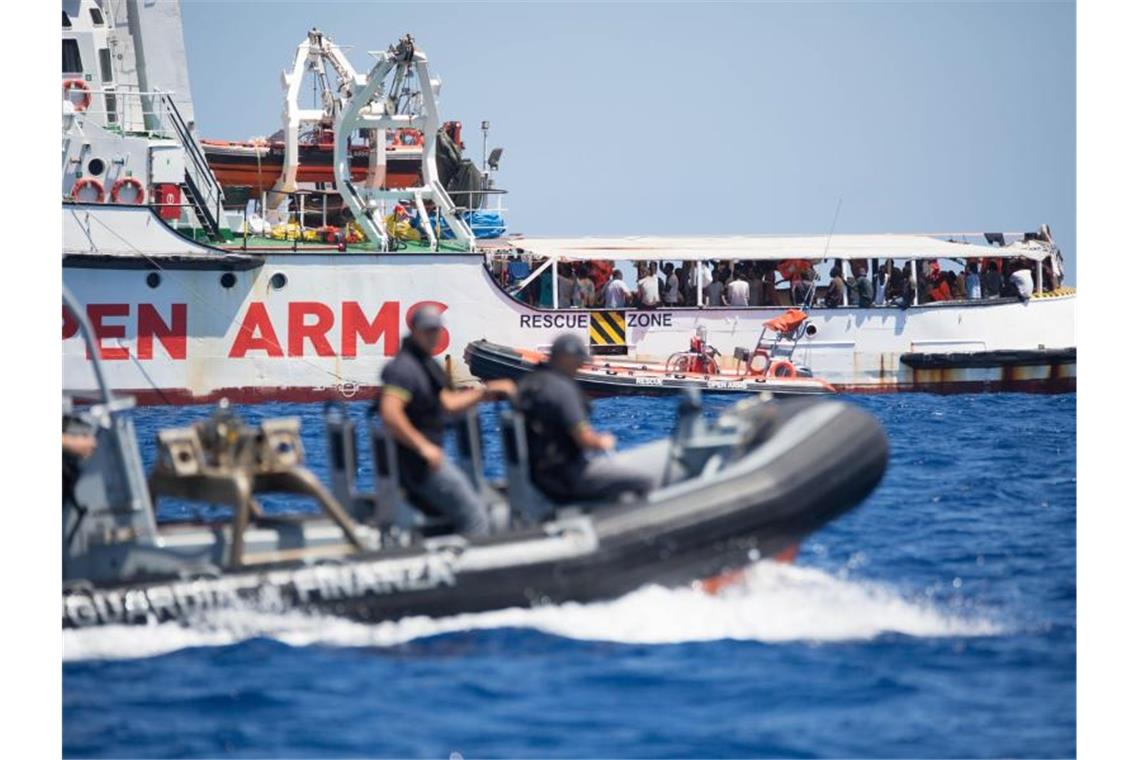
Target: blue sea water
937, 620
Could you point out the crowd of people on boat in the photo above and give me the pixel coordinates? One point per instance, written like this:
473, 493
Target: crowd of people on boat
744, 284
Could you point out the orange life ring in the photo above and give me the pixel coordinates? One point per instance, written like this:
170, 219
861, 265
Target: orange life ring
759, 353
782, 368
71, 84
407, 136
121, 182
84, 183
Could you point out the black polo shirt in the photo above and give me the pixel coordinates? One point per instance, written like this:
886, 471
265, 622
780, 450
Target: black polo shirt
554, 407
417, 379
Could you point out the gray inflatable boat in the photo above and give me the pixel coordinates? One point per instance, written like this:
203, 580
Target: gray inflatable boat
747, 485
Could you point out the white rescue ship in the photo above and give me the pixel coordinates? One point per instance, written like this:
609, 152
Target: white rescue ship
191, 302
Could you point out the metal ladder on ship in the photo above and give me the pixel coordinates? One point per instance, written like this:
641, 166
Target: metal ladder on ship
200, 185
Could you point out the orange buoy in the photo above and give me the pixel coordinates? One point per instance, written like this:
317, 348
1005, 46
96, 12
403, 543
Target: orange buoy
782, 368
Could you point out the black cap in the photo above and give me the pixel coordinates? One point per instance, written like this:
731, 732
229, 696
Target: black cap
427, 318
568, 344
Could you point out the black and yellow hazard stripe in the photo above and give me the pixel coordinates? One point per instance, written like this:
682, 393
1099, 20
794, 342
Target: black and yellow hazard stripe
1058, 293
607, 331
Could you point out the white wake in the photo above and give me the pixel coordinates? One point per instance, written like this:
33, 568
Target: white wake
774, 603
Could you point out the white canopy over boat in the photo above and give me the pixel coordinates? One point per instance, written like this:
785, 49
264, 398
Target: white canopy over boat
762, 247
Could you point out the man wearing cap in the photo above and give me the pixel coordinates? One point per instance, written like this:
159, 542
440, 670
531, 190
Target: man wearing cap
415, 398
559, 434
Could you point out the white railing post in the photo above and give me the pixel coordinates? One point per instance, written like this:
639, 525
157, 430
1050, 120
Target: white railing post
554, 284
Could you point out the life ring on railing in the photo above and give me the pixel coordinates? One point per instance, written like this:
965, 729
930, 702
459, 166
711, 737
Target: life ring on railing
121, 182
759, 353
84, 183
782, 368
71, 84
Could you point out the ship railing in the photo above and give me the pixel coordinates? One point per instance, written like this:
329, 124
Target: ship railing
130, 111
489, 222
204, 188
483, 210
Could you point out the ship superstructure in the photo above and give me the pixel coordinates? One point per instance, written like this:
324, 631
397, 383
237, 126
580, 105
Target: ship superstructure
128, 119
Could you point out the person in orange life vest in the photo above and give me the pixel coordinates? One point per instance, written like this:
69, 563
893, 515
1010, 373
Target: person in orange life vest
600, 272
940, 290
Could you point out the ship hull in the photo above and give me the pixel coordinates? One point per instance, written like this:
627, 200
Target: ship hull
184, 323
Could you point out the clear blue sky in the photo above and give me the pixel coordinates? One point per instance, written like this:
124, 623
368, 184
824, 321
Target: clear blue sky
726, 118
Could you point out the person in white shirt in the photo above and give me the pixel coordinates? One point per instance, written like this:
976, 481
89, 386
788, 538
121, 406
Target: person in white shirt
648, 288
882, 279
672, 286
616, 292
737, 291
1022, 279
973, 283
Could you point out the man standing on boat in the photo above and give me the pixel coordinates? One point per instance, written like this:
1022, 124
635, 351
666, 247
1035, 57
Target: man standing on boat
836, 289
559, 434
862, 291
738, 291
648, 288
415, 398
973, 282
616, 292
714, 293
584, 295
565, 287
672, 287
